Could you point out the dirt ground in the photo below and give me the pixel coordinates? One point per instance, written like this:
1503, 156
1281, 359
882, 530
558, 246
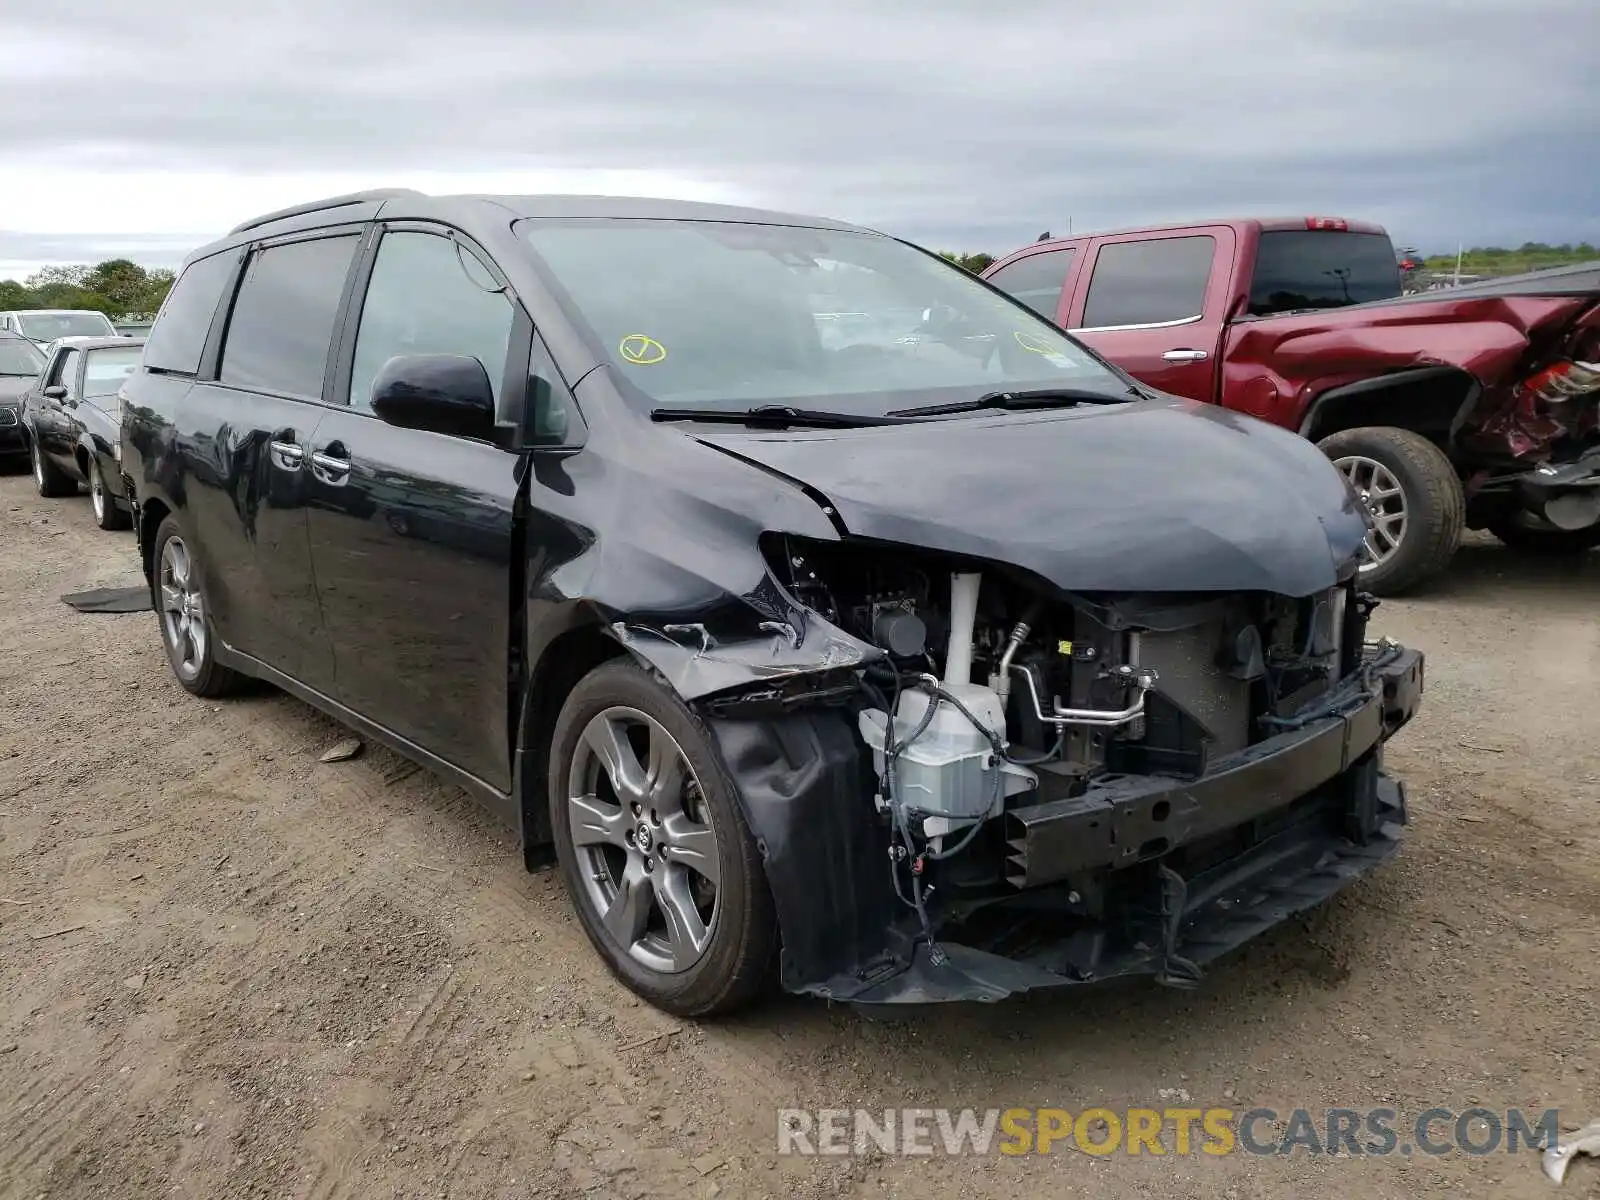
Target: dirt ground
228, 969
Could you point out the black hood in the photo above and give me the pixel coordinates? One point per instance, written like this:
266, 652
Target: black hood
12, 387
1163, 495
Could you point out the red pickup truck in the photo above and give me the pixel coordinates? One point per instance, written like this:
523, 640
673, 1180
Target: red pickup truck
1471, 407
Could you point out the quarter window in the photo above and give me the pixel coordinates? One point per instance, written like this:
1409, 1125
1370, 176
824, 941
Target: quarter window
429, 295
179, 335
1149, 282
283, 320
1036, 280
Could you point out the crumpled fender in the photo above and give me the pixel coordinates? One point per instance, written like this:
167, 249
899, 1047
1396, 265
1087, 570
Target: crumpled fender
702, 609
1277, 366
1485, 349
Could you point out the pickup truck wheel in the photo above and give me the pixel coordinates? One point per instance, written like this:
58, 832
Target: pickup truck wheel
185, 617
1415, 498
653, 847
1529, 534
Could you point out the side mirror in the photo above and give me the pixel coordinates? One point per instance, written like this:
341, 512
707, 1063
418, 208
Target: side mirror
55, 392
440, 393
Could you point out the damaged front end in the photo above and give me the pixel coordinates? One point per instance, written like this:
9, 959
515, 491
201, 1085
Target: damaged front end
1542, 436
967, 783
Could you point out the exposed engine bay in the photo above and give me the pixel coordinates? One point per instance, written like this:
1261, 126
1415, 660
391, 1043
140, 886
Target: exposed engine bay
1077, 764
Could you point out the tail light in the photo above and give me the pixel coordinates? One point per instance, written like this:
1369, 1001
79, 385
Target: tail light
1337, 224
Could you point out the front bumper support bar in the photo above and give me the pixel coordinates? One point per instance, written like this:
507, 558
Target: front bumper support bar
1123, 820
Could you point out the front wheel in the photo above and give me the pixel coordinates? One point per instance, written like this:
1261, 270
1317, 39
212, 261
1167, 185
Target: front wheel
186, 616
1414, 497
106, 513
653, 847
1527, 533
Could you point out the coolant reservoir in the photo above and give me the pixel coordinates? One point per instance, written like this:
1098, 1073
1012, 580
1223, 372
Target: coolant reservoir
950, 770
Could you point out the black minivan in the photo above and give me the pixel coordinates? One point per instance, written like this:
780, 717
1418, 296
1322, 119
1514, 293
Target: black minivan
827, 613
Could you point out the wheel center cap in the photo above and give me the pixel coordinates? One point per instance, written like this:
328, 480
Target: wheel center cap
644, 837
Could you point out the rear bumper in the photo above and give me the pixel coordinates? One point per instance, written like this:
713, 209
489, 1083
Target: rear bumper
1153, 876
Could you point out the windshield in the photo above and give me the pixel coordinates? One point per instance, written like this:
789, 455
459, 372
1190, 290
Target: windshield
726, 315
47, 327
1306, 268
19, 358
106, 369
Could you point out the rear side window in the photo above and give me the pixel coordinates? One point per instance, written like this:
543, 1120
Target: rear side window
179, 334
1149, 282
1306, 268
1037, 280
105, 370
283, 320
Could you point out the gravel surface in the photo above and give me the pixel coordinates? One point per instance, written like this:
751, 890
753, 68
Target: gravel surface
229, 969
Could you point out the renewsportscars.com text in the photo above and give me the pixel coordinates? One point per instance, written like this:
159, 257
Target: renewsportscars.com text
1156, 1131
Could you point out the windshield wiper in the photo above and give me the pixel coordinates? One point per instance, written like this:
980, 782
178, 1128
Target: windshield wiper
772, 416
1061, 397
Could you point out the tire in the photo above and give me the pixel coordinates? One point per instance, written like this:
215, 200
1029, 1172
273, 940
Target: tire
106, 513
1527, 534
193, 659
721, 958
1419, 523
50, 479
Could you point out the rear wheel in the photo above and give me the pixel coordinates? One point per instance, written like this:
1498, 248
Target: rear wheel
50, 479
1527, 533
1413, 494
186, 617
106, 513
653, 847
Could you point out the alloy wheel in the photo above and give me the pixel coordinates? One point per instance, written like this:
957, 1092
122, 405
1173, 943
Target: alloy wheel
1385, 501
183, 616
97, 492
38, 464
645, 847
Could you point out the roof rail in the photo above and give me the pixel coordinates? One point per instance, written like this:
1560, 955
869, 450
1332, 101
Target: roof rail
295, 210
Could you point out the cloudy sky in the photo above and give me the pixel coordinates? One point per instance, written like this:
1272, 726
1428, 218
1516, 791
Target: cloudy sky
143, 127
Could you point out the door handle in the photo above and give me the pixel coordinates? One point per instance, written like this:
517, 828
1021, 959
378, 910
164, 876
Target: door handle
286, 456
330, 468
1183, 356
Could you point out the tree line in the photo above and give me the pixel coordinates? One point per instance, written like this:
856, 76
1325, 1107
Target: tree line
118, 287
1500, 260
124, 290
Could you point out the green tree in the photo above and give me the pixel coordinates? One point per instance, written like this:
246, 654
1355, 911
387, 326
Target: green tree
971, 262
14, 295
122, 282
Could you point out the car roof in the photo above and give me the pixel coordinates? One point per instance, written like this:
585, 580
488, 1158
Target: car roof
651, 208
392, 204
85, 342
51, 312
1261, 224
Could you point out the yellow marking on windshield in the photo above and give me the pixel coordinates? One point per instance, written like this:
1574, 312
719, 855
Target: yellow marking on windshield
641, 350
1032, 341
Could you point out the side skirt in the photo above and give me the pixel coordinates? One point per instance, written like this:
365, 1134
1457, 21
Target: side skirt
504, 807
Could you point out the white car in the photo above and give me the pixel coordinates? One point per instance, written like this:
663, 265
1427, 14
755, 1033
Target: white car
41, 326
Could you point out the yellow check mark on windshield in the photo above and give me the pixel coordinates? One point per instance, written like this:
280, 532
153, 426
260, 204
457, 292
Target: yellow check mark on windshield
640, 350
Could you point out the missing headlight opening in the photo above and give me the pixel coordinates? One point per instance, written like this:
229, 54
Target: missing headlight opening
1066, 787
